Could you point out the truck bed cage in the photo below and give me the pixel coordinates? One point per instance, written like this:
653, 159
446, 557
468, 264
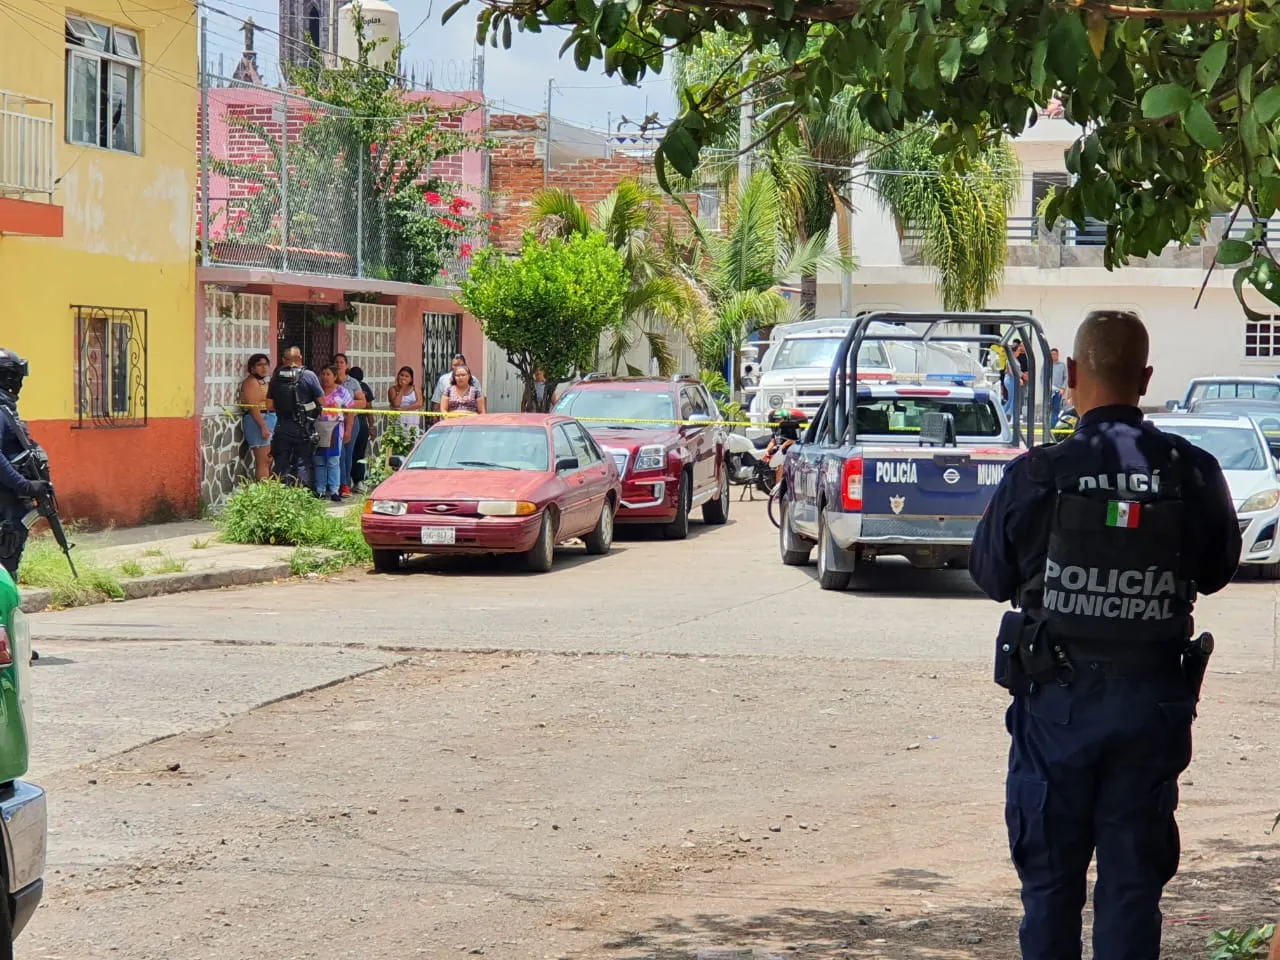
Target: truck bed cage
840, 426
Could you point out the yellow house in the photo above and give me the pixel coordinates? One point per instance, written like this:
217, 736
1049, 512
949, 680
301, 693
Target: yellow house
97, 206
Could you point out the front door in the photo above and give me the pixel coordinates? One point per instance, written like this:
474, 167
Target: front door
313, 328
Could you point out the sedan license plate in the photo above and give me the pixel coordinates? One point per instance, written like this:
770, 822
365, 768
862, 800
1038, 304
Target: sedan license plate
438, 535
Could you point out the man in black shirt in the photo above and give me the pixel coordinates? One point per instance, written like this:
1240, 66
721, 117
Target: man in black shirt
294, 395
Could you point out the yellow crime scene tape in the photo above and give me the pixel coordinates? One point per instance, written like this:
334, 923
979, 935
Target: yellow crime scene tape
1058, 432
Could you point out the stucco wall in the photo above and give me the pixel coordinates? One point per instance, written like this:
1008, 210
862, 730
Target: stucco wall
128, 243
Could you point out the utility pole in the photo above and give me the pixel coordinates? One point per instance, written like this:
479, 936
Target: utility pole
546, 160
846, 271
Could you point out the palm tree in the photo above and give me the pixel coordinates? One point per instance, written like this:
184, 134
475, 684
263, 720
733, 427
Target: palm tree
815, 159
958, 221
741, 267
630, 219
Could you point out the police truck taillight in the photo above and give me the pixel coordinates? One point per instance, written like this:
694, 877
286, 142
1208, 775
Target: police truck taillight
851, 484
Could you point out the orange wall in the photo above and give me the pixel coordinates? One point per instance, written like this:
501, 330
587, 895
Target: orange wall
127, 475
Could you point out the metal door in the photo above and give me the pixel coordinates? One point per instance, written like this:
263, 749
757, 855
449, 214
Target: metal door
309, 327
441, 339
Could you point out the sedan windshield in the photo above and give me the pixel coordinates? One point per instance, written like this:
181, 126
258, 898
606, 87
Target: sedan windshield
481, 448
1235, 448
595, 406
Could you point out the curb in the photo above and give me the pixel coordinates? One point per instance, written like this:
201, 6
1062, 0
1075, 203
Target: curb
156, 585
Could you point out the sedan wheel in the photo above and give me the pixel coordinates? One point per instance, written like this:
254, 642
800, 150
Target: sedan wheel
599, 540
540, 557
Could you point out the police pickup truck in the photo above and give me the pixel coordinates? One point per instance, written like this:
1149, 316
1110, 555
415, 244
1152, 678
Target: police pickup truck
911, 471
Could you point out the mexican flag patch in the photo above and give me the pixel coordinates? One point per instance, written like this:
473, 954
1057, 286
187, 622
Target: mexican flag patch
1123, 513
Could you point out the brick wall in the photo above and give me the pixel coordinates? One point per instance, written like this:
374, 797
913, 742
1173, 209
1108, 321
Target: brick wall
231, 107
516, 174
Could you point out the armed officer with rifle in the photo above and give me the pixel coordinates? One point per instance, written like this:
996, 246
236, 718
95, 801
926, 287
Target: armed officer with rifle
1102, 543
25, 491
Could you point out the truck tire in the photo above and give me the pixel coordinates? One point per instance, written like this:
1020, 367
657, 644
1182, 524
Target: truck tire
828, 579
6, 921
716, 512
386, 561
793, 550
678, 529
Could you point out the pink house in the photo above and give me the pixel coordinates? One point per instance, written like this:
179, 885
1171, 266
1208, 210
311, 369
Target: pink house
334, 281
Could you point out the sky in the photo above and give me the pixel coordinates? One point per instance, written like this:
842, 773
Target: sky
515, 79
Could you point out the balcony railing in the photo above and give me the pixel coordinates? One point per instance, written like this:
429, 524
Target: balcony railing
26, 146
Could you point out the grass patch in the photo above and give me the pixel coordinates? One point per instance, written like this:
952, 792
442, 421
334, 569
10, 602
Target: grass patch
271, 513
43, 565
153, 552
170, 565
198, 544
132, 568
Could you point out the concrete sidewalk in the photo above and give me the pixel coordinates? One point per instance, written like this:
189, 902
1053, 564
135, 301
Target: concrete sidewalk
175, 558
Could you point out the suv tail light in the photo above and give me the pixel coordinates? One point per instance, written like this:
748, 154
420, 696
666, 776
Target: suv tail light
6, 651
851, 485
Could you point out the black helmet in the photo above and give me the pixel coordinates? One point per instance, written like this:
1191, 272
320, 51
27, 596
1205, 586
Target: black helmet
13, 370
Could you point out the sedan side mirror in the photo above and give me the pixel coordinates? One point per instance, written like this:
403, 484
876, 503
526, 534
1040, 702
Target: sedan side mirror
1172, 405
395, 463
566, 463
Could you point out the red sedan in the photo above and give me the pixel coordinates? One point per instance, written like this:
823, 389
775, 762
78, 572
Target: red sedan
496, 483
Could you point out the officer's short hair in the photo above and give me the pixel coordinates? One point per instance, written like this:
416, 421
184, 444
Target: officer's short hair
1112, 346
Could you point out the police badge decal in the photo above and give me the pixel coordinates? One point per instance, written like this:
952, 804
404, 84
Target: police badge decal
897, 503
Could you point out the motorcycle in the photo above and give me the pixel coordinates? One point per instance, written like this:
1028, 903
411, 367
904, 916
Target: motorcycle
748, 465
743, 455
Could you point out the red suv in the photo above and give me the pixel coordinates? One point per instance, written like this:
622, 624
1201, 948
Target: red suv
667, 469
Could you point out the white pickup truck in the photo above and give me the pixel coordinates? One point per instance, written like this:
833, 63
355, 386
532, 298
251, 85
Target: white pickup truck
795, 370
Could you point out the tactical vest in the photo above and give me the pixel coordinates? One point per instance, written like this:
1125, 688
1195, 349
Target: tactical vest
290, 407
1114, 569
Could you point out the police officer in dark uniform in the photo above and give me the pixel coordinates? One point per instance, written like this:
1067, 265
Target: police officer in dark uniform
17, 493
1101, 543
294, 393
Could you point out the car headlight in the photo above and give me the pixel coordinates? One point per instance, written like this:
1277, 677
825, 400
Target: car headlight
776, 400
506, 508
1261, 501
390, 508
651, 457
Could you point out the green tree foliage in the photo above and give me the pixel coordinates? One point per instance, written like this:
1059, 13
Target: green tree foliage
739, 269
817, 157
630, 218
1178, 102
548, 307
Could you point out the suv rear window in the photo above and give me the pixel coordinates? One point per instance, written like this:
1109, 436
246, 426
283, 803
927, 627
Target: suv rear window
888, 415
602, 404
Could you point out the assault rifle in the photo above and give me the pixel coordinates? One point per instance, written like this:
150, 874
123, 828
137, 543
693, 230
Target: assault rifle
33, 464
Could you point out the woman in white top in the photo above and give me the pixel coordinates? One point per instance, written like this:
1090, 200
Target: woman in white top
404, 396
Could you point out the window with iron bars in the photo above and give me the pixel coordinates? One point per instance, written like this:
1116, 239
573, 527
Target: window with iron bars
111, 366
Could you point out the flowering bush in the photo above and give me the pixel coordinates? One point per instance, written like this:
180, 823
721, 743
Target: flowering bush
432, 233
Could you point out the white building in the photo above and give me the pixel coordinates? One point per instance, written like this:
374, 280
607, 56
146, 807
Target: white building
1060, 278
